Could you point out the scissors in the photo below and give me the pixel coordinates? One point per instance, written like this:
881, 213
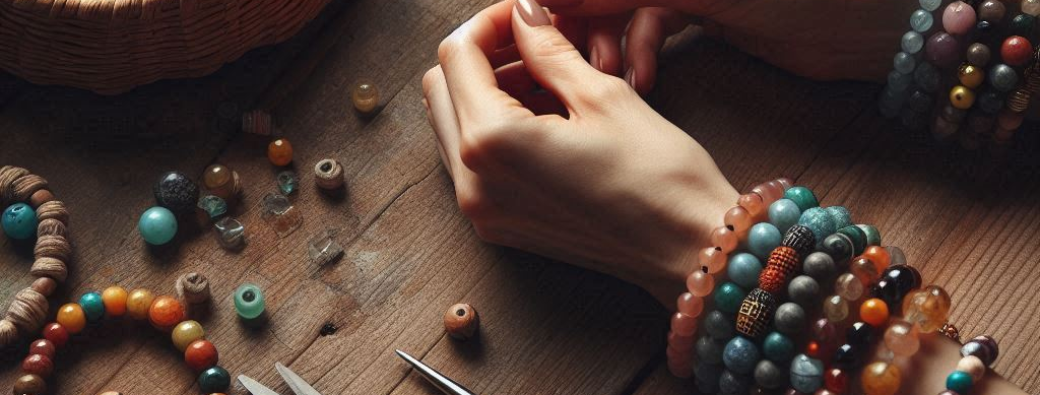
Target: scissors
443, 383
297, 384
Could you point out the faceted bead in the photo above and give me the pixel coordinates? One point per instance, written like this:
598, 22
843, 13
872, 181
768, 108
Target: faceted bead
712, 258
213, 206
1031, 7
789, 319
973, 366
214, 379
848, 287
874, 311
865, 270
690, 305
165, 312
942, 49
961, 97
783, 214
710, 350
43, 347
902, 338
768, 375
1003, 78
806, 373
201, 355
912, 42
970, 76
836, 380
819, 221
365, 97
288, 182
777, 347
738, 219
249, 301
719, 325
71, 316
176, 191
860, 335
322, 249
804, 197
728, 297
56, 334
754, 205
1016, 50
93, 307
835, 308
921, 21
895, 283
280, 152
856, 235
744, 269
762, 239
700, 284
928, 308
19, 221
880, 378
725, 239
740, 355
992, 11
978, 54
733, 383
280, 214
820, 266
683, 324
803, 290
138, 303
157, 226
30, 384
185, 333
959, 382
231, 234
1022, 24
958, 18
38, 364
114, 299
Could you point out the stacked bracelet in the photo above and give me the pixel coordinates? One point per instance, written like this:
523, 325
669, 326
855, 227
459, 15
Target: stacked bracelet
977, 356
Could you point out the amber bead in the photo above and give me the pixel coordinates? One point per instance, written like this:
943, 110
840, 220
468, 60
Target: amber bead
725, 239
38, 364
30, 384
138, 302
186, 333
114, 299
880, 378
71, 316
902, 338
928, 308
755, 206
970, 76
874, 311
461, 321
56, 334
962, 97
201, 355
865, 270
365, 97
836, 380
280, 152
879, 255
165, 312
221, 181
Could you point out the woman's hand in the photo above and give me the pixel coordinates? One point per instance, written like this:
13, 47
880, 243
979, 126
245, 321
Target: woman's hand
604, 182
820, 39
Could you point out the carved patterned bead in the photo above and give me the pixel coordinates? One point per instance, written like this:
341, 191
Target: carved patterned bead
800, 238
1018, 101
782, 263
755, 312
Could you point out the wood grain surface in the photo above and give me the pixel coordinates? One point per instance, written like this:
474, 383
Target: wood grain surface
547, 327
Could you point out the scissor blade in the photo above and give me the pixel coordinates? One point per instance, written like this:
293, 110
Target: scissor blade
254, 387
446, 385
296, 383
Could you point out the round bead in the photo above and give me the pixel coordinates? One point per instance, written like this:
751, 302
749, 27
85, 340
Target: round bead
803, 290
902, 338
856, 235
700, 284
1031, 7
880, 378
806, 373
707, 376
970, 76
819, 222
728, 297
961, 97
56, 334
157, 225
755, 312
842, 216
777, 347
865, 270
732, 383
1010, 120
912, 42
921, 21
874, 311
992, 11
461, 320
958, 18
978, 54
710, 350
712, 259
895, 283
138, 302
930, 5
973, 366
800, 239
763, 238
719, 325
959, 382
690, 305
836, 380
753, 203
789, 318
365, 97
839, 247
280, 152
928, 308
37, 364
804, 197
990, 345
848, 287
684, 325
783, 214
185, 333
249, 301
201, 355
165, 312
114, 300
986, 353
92, 305
942, 49
872, 233
1003, 78
835, 308
43, 347
71, 316
1022, 24
860, 334
19, 221
744, 269
927, 77
738, 219
216, 176
176, 191
214, 379
820, 266
725, 239
768, 375
30, 384
1016, 50
740, 355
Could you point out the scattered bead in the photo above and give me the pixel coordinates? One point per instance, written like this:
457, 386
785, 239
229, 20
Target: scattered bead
328, 174
280, 214
214, 379
365, 97
138, 302
249, 301
287, 182
176, 191
803, 290
280, 152
256, 122
19, 221
201, 355
973, 366
789, 319
214, 206
221, 181
72, 318
157, 226
230, 233
165, 312
114, 299
462, 322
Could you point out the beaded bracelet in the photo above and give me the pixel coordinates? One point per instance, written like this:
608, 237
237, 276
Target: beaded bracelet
977, 356
47, 219
164, 313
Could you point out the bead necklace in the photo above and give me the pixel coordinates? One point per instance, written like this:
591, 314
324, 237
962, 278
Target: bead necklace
31, 210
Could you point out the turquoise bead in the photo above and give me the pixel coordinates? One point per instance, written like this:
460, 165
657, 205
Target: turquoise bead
872, 233
778, 348
740, 355
819, 221
784, 214
19, 221
959, 382
806, 374
842, 216
92, 306
728, 297
921, 21
762, 239
249, 301
859, 239
158, 225
743, 269
214, 380
803, 197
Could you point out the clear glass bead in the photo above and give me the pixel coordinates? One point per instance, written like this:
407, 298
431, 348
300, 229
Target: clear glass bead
288, 182
323, 249
230, 233
280, 214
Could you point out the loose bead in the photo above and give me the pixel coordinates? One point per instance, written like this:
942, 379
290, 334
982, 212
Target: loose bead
165, 312
221, 181
970, 76
803, 197
176, 191
754, 205
783, 214
942, 49
806, 373
185, 333
1016, 50
961, 97
72, 318
959, 382
992, 11
928, 308
713, 259
874, 311
848, 287
249, 301
201, 355
280, 152
138, 302
700, 284
738, 219
979, 54
881, 378
43, 347
19, 221
56, 334
763, 238
728, 297
214, 379
114, 299
819, 221
755, 312
690, 305
836, 309
789, 319
725, 239
768, 375
157, 225
973, 366
365, 97
958, 18
38, 364
30, 384
902, 338
328, 174
93, 307
684, 325
740, 355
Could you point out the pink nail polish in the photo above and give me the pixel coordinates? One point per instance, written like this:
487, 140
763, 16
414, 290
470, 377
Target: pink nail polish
532, 13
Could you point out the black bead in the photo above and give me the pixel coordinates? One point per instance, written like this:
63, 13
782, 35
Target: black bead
839, 247
895, 283
176, 192
984, 28
847, 357
800, 238
860, 335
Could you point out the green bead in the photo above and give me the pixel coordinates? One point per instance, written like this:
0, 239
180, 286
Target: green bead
959, 382
873, 236
819, 221
214, 380
842, 216
1022, 24
92, 306
803, 197
249, 301
157, 225
19, 221
728, 297
778, 348
859, 239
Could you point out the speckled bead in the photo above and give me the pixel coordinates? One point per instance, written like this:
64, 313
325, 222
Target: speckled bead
769, 375
1003, 78
921, 21
719, 325
755, 312
176, 191
806, 373
762, 239
820, 266
734, 384
740, 355
783, 214
841, 215
157, 225
744, 269
778, 348
819, 221
803, 290
728, 297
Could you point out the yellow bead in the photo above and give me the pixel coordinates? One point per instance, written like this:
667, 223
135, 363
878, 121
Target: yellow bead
880, 378
115, 301
928, 308
185, 333
138, 302
970, 76
962, 97
71, 316
365, 97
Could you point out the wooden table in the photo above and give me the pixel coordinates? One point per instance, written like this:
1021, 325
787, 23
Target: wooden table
547, 327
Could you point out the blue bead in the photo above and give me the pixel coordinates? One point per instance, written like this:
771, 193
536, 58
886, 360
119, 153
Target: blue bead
157, 226
740, 355
762, 239
803, 197
959, 382
819, 221
930, 5
93, 306
728, 297
743, 269
912, 42
842, 216
1002, 77
921, 21
904, 62
249, 301
784, 214
19, 221
806, 374
778, 348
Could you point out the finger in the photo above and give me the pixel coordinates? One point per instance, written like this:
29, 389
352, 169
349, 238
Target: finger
605, 43
607, 7
515, 80
647, 34
504, 56
441, 112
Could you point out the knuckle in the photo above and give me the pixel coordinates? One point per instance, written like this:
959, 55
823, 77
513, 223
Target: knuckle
448, 47
472, 204
429, 80
555, 48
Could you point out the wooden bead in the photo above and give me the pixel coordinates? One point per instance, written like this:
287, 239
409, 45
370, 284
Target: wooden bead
45, 286
51, 227
8, 333
53, 209
56, 247
30, 384
28, 310
328, 174
8, 175
49, 267
27, 185
38, 364
43, 347
193, 288
56, 334
755, 312
165, 312
461, 321
40, 197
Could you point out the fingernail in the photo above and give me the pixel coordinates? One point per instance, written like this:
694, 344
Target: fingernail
532, 13
630, 77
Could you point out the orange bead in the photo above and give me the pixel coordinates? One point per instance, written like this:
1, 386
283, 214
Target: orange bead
813, 349
280, 152
201, 355
114, 299
165, 312
879, 255
754, 205
739, 220
71, 316
874, 312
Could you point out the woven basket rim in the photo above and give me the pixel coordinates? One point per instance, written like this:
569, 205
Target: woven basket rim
102, 10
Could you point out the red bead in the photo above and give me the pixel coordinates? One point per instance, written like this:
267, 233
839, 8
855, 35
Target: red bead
1016, 50
836, 380
813, 349
43, 347
38, 364
56, 333
201, 355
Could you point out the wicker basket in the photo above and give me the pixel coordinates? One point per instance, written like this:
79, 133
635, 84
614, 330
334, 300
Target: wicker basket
111, 46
